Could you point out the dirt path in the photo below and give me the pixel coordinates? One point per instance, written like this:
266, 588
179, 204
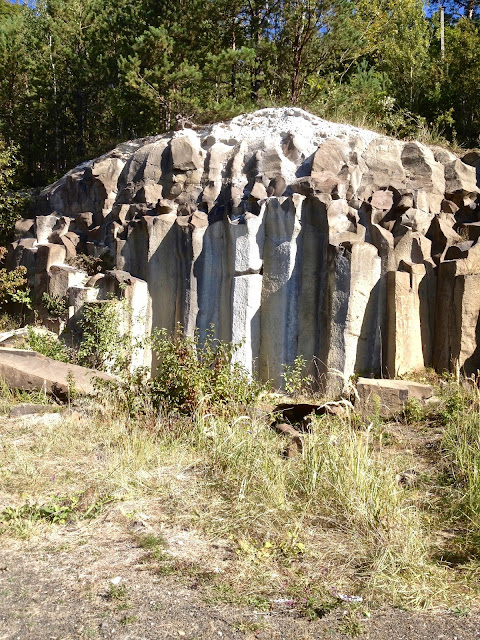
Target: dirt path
61, 589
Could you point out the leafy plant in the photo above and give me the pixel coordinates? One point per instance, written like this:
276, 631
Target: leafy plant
191, 374
295, 380
103, 346
59, 510
13, 285
92, 264
49, 345
11, 203
56, 512
56, 306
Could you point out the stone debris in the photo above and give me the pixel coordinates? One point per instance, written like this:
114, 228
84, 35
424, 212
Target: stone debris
288, 234
25, 409
300, 414
389, 397
295, 444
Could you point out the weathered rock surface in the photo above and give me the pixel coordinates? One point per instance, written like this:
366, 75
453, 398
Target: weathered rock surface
286, 233
31, 371
389, 397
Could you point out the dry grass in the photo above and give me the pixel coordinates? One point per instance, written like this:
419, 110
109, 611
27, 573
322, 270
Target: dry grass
335, 517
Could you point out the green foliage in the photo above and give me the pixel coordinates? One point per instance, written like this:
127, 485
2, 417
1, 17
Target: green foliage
54, 512
56, 306
13, 285
59, 510
49, 345
12, 203
415, 411
191, 374
117, 591
92, 264
294, 376
103, 346
461, 447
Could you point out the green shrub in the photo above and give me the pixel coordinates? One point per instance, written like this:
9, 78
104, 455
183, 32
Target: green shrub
191, 374
12, 203
13, 285
56, 306
103, 346
295, 380
461, 445
49, 345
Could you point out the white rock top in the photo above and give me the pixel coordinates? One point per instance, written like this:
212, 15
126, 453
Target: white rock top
255, 128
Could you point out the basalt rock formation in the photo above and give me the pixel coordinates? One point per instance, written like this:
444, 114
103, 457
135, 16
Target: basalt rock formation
285, 233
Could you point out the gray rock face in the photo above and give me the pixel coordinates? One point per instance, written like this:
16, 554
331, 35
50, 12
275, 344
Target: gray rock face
285, 233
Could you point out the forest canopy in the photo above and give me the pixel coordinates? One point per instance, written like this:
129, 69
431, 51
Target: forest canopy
78, 76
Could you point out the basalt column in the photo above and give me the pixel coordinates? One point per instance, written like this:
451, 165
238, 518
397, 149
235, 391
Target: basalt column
246, 248
281, 286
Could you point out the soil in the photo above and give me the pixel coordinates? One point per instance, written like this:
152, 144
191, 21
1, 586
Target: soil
59, 588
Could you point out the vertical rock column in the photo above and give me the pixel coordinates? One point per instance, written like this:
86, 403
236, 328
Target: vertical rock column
408, 334
213, 283
457, 322
151, 254
352, 300
246, 247
314, 234
281, 287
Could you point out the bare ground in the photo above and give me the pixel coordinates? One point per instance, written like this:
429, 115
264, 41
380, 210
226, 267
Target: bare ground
59, 588
95, 579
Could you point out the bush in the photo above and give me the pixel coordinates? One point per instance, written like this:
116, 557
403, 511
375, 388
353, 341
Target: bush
56, 306
13, 285
191, 375
49, 345
461, 447
103, 346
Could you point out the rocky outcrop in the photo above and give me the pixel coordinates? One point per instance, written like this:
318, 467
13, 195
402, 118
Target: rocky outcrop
285, 233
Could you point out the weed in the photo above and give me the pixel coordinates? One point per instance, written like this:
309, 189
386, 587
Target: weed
193, 375
103, 345
414, 411
295, 379
351, 625
49, 345
91, 264
59, 510
461, 444
248, 626
117, 591
56, 306
155, 544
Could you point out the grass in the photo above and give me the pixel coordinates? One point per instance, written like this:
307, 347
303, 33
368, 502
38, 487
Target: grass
335, 519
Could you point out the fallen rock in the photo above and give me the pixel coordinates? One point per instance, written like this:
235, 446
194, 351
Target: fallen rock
31, 371
389, 397
25, 409
295, 446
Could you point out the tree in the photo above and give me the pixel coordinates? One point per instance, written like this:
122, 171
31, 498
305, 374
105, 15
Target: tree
10, 202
